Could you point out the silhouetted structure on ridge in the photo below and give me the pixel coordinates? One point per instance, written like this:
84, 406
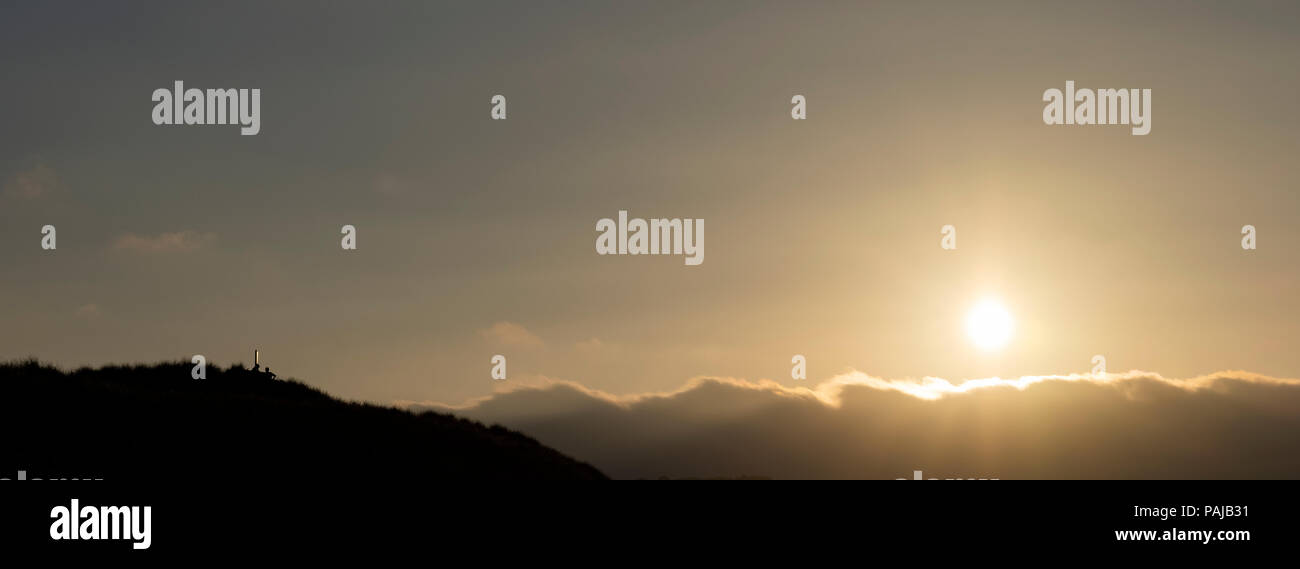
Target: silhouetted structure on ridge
257, 364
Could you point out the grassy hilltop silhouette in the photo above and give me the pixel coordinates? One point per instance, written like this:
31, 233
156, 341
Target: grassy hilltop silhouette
153, 422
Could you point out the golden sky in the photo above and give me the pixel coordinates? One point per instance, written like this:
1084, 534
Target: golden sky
475, 237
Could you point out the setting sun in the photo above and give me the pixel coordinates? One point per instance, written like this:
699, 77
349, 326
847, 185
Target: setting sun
989, 325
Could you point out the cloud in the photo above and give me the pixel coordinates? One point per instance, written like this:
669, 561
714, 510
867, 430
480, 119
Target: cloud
1228, 424
390, 185
32, 183
180, 241
511, 334
88, 311
590, 346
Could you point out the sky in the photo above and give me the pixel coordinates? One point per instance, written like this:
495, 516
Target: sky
475, 237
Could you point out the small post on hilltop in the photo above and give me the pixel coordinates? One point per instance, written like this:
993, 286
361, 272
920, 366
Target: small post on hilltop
257, 363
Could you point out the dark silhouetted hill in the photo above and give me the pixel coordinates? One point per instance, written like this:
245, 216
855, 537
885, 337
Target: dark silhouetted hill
153, 422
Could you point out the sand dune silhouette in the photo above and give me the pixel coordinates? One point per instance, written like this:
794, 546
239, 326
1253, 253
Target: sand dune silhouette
153, 422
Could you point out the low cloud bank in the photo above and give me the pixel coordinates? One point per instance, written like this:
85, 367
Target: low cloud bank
1230, 424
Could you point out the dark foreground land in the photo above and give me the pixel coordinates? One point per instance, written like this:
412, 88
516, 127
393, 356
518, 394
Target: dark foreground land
144, 423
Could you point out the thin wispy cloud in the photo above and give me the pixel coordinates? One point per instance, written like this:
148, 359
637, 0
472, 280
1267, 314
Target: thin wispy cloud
88, 311
32, 183
390, 185
180, 241
589, 346
511, 334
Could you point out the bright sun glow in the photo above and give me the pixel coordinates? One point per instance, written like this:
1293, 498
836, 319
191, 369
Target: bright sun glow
989, 325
